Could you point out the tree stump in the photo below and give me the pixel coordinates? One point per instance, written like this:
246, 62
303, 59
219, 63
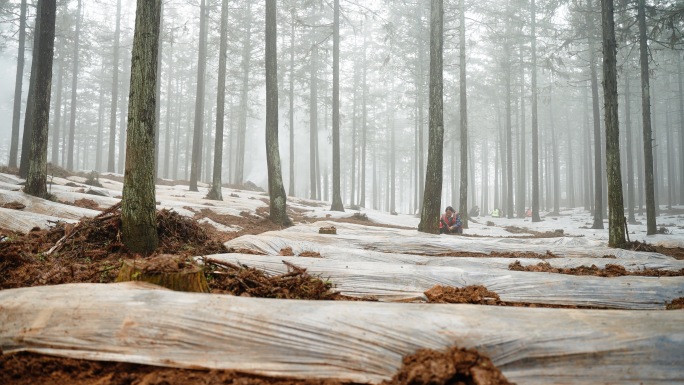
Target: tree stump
170, 271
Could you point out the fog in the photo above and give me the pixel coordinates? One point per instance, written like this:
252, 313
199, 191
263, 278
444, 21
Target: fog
384, 71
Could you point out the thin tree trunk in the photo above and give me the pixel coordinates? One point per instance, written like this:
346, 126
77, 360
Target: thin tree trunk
36, 180
215, 191
58, 113
616, 211
138, 210
167, 131
570, 165
630, 162
352, 199
556, 165
429, 219
598, 174
646, 121
463, 204
485, 176
313, 124
115, 91
27, 137
364, 111
337, 204
196, 162
18, 84
393, 161
670, 161
681, 127
74, 91
291, 189
509, 131
535, 118
242, 127
98, 142
158, 92
520, 196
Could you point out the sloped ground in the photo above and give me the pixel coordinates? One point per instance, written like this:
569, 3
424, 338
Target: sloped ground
90, 251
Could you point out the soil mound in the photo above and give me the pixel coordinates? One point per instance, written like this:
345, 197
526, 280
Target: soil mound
227, 278
91, 250
610, 270
456, 366
475, 294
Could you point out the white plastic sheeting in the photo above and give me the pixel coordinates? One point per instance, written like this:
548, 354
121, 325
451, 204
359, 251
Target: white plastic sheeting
46, 207
356, 341
405, 282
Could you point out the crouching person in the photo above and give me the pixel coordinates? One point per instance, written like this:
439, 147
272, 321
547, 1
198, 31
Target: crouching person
450, 222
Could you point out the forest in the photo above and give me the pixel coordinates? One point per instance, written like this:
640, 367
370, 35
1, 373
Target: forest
280, 155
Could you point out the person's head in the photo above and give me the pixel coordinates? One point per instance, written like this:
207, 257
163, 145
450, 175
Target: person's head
449, 211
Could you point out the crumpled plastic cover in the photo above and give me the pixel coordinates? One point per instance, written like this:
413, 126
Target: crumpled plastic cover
355, 341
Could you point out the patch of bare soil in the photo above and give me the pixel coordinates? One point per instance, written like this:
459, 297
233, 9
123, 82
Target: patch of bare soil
310, 254
425, 367
91, 250
610, 270
228, 278
456, 366
87, 203
9, 170
535, 234
480, 295
14, 205
497, 254
676, 304
286, 252
249, 224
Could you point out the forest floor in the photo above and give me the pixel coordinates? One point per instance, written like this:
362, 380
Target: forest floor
90, 251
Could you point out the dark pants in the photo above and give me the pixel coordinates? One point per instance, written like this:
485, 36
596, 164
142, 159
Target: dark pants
445, 230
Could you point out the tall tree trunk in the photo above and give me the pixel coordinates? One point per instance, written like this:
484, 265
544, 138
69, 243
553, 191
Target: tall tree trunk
630, 162
364, 127
570, 166
670, 161
138, 210
588, 201
556, 165
57, 113
392, 157
196, 163
429, 218
508, 207
598, 174
337, 204
157, 113
115, 91
520, 195
291, 189
681, 127
463, 204
352, 199
74, 90
36, 180
123, 107
167, 131
100, 118
216, 183
616, 210
485, 176
242, 127
313, 124
646, 121
27, 137
18, 84
535, 118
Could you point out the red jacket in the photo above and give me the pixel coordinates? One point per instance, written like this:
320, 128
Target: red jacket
445, 221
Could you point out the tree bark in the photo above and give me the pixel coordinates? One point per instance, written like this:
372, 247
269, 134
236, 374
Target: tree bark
244, 110
337, 204
74, 91
429, 219
57, 113
196, 164
364, 127
535, 118
216, 184
630, 162
463, 204
167, 131
520, 195
276, 190
291, 189
158, 93
36, 180
616, 211
138, 210
313, 123
646, 121
598, 174
188, 279
27, 137
115, 92
681, 127
18, 84
100, 118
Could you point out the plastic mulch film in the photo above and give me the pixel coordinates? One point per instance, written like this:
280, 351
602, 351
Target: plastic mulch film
355, 341
405, 282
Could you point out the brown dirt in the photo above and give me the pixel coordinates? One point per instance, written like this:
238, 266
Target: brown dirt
497, 254
87, 203
452, 367
250, 224
676, 304
286, 252
227, 278
674, 252
480, 295
91, 250
14, 205
610, 270
455, 366
310, 254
